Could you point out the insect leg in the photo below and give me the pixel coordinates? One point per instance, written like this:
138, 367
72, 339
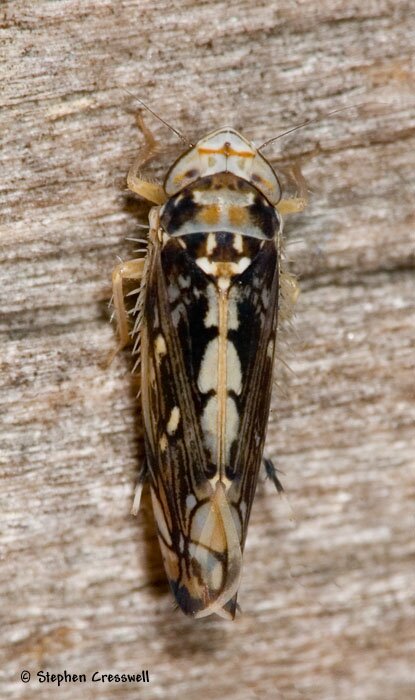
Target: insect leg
289, 293
139, 489
271, 472
128, 270
149, 190
293, 205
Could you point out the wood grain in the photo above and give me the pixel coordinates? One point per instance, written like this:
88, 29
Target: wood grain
328, 590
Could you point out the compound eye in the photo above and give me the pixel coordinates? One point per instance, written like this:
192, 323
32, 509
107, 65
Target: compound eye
191, 174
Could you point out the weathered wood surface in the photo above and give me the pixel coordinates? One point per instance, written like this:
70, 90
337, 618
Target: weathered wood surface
328, 591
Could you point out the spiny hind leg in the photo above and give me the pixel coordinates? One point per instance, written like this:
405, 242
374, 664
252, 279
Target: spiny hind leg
293, 205
289, 288
149, 190
132, 270
289, 293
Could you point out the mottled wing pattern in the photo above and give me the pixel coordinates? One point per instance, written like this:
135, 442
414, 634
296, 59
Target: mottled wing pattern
197, 534
209, 322
256, 297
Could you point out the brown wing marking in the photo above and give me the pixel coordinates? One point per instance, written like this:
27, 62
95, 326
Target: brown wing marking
197, 534
255, 403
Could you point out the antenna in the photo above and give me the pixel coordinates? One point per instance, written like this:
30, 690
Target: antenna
307, 122
169, 126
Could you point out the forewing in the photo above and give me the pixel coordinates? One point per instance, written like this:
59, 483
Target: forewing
197, 533
256, 298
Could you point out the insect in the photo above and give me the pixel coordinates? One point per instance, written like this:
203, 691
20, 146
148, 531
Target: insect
210, 287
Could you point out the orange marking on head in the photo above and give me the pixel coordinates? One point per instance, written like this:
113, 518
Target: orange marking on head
237, 215
210, 214
226, 150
